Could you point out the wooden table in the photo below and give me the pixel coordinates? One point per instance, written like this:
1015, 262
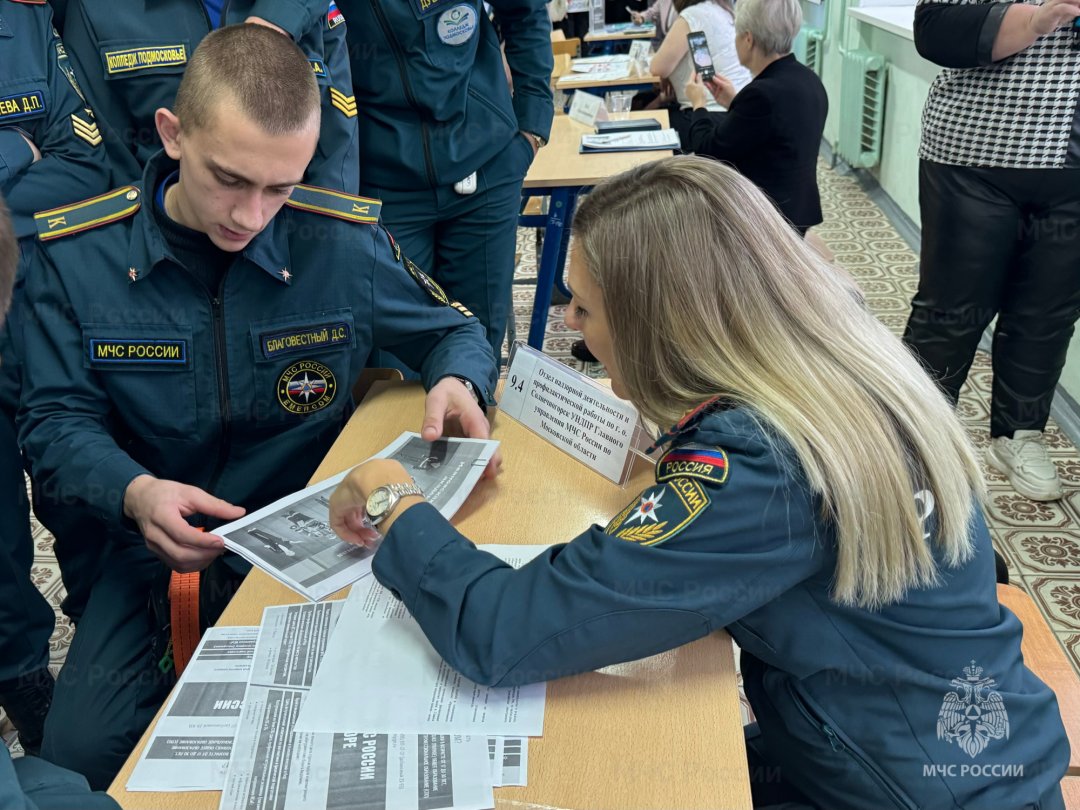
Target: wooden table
662, 733
608, 35
561, 173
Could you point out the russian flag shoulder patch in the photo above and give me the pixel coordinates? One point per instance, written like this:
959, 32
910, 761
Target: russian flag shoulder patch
693, 461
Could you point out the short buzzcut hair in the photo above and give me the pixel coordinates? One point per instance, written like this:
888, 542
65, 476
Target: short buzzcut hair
260, 71
774, 24
9, 259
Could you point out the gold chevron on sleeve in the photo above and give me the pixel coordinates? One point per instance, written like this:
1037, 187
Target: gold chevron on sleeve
87, 130
346, 104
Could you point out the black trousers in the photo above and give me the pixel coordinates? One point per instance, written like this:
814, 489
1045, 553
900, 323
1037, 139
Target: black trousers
1002, 242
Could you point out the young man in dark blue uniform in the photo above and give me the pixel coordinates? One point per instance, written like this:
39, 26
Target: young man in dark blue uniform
50, 147
195, 341
445, 142
30, 783
133, 55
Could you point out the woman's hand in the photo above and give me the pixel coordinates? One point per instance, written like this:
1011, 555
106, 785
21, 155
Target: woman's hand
348, 504
1023, 25
1053, 14
695, 92
722, 90
637, 17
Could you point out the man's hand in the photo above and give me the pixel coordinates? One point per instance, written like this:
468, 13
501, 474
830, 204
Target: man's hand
637, 18
451, 401
159, 508
267, 24
348, 504
533, 140
33, 146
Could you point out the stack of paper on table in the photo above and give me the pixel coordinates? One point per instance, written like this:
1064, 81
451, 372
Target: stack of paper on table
191, 744
274, 768
630, 141
424, 696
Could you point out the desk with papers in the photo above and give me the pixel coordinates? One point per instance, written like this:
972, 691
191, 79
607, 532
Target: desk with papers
663, 733
561, 173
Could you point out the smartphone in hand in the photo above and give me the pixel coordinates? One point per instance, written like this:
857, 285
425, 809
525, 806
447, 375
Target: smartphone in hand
700, 55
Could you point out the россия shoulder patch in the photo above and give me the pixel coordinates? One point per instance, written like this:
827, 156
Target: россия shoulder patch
693, 461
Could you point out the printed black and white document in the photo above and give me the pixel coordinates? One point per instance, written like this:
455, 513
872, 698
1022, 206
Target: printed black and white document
291, 539
275, 768
190, 747
424, 695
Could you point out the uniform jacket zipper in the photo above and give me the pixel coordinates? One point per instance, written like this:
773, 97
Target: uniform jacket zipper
399, 57
206, 15
221, 355
839, 746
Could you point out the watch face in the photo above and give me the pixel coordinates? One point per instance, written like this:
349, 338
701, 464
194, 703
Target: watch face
378, 501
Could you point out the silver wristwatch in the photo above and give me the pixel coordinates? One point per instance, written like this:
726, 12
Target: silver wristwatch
382, 500
472, 390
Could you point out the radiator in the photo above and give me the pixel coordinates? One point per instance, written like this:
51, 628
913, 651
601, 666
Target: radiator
810, 47
862, 107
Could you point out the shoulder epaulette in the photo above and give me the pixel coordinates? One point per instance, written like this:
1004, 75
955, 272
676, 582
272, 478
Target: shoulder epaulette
91, 213
335, 204
30, 2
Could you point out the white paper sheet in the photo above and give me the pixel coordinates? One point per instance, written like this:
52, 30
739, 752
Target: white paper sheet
598, 64
621, 71
291, 539
648, 139
273, 768
424, 696
190, 746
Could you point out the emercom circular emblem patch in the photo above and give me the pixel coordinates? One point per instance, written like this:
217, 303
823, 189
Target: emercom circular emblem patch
306, 387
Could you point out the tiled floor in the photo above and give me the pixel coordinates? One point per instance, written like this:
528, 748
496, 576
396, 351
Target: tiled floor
1041, 542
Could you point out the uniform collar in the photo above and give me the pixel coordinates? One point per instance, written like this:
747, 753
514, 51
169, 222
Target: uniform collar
688, 422
148, 248
270, 249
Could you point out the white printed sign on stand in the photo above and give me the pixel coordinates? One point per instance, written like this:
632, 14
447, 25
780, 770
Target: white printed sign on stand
641, 51
574, 413
587, 109
596, 17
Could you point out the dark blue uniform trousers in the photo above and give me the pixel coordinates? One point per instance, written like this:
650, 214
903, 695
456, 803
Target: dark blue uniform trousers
465, 242
26, 619
111, 685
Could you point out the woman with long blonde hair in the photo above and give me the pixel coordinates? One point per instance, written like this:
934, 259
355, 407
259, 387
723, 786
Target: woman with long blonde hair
816, 497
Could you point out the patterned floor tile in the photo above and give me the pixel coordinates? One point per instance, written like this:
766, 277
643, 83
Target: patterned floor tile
1059, 599
1008, 509
1044, 552
1071, 643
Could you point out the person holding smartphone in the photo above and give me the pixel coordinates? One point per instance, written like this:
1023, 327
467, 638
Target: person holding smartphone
772, 129
713, 22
